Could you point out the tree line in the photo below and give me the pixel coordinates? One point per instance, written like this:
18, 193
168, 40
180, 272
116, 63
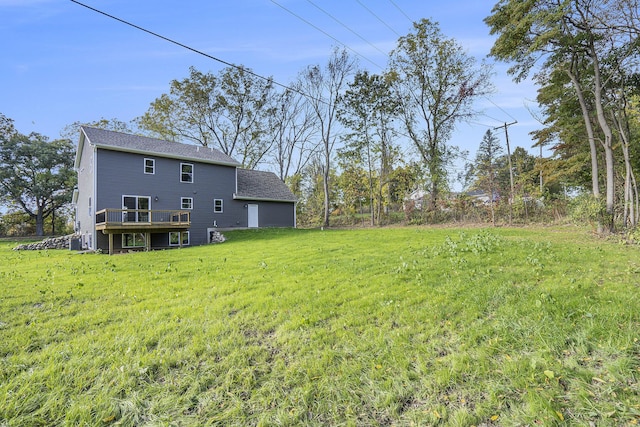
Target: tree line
354, 144
584, 54
336, 134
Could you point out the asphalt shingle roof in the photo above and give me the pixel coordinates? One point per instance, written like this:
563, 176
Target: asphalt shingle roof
141, 144
252, 184
258, 185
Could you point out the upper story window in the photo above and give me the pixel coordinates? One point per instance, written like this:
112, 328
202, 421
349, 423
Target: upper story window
149, 166
186, 172
186, 203
217, 205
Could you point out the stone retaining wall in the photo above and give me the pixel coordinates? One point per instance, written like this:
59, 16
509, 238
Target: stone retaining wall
61, 242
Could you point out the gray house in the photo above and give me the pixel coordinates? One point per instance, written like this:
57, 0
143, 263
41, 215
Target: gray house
136, 192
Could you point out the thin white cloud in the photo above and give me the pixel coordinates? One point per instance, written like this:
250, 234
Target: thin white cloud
23, 3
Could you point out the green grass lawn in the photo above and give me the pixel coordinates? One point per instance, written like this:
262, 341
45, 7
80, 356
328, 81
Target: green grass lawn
395, 326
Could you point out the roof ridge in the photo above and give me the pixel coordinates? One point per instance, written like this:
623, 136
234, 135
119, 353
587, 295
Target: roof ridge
121, 141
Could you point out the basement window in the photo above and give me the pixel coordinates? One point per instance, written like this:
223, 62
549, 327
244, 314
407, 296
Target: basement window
175, 236
133, 240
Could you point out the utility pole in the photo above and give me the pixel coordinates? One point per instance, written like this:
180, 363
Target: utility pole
506, 134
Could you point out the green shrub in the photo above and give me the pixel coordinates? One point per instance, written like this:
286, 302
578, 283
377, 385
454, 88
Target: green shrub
587, 209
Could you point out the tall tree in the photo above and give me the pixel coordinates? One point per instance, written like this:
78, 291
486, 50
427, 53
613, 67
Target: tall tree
367, 109
565, 132
323, 86
293, 132
36, 175
579, 37
229, 111
436, 83
486, 168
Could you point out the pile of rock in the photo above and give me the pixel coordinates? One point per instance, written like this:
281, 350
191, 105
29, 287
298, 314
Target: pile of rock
61, 242
216, 237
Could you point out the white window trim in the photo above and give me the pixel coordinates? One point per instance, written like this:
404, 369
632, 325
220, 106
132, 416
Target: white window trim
134, 240
192, 173
153, 166
140, 212
181, 235
190, 199
215, 210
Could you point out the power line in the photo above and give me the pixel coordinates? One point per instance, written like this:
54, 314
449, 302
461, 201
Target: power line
492, 118
501, 109
401, 11
199, 52
345, 26
378, 18
481, 124
323, 32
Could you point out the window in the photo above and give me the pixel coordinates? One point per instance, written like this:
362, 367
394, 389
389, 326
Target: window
133, 240
149, 166
217, 206
186, 172
186, 203
136, 208
174, 238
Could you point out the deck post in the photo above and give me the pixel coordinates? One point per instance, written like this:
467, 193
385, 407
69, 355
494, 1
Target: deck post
110, 243
147, 241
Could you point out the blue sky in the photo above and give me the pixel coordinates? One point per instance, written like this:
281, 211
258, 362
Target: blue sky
63, 63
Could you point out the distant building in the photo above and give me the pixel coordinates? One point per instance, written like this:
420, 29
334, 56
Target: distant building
482, 197
415, 199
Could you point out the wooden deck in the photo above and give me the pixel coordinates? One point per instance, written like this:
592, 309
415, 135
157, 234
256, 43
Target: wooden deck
117, 221
130, 220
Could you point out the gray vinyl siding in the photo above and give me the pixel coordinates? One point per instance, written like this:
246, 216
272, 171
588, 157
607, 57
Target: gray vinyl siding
275, 214
122, 173
111, 165
84, 216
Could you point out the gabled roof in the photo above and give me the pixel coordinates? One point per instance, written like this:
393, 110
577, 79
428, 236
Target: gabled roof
118, 141
259, 185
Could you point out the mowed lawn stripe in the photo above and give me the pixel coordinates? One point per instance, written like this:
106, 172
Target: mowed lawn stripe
392, 326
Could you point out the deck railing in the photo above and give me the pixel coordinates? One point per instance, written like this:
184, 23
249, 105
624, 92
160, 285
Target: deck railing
138, 218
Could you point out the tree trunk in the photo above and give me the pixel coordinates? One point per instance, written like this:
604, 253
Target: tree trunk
325, 188
40, 221
608, 140
326, 172
371, 191
630, 186
595, 182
